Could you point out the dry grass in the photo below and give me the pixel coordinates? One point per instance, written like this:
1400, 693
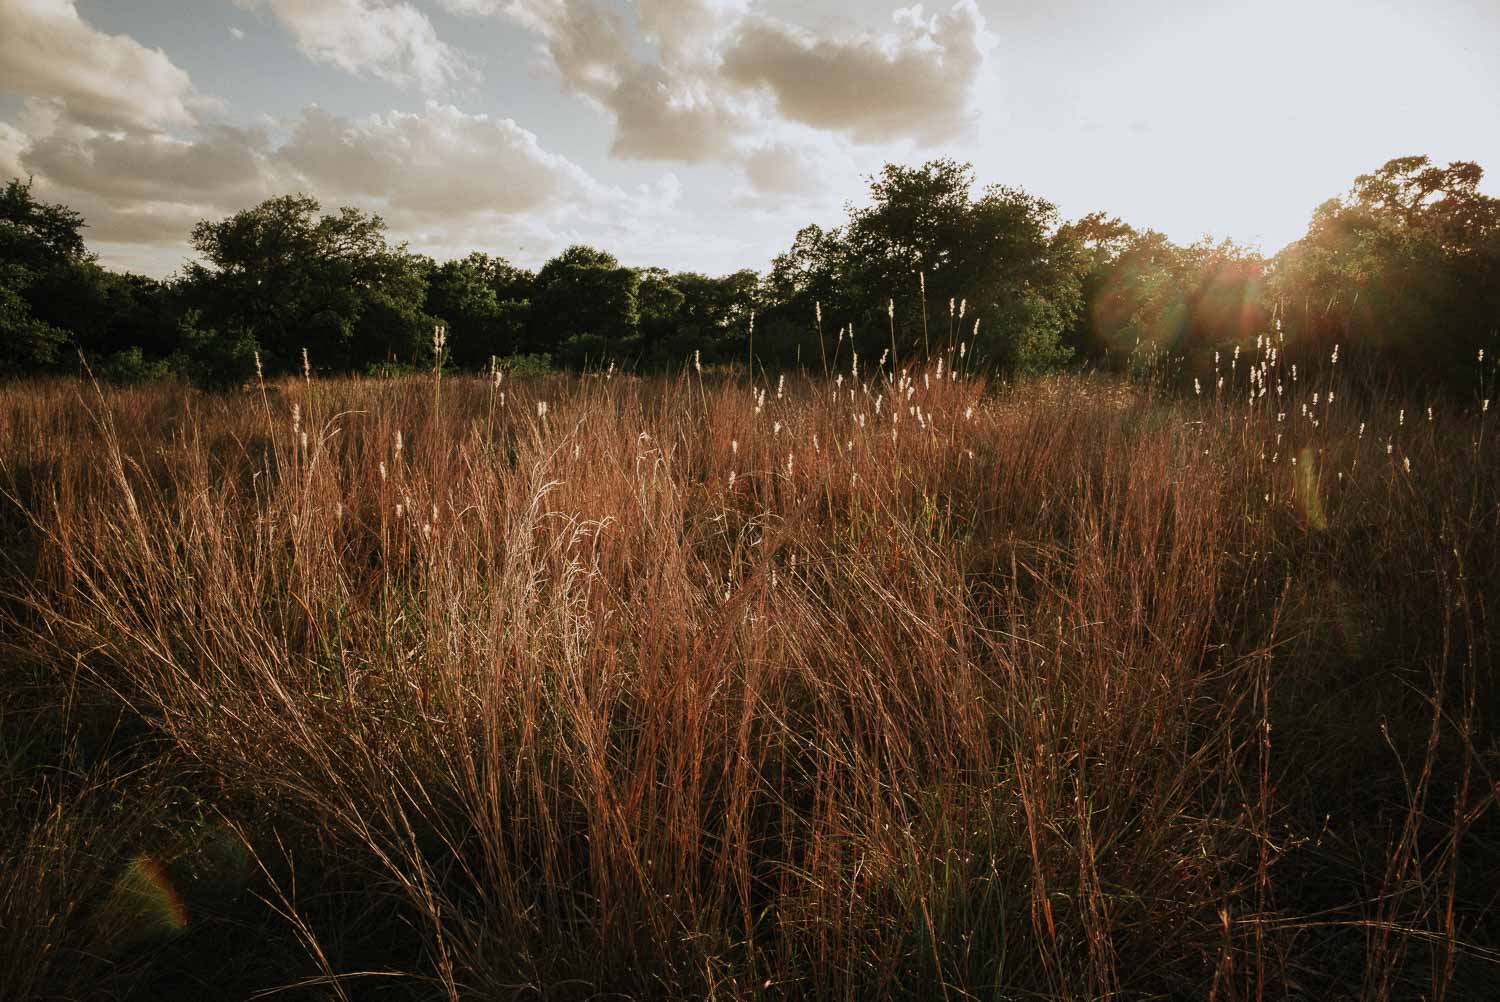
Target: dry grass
670, 690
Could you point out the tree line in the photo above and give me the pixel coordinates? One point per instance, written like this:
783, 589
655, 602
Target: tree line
1403, 272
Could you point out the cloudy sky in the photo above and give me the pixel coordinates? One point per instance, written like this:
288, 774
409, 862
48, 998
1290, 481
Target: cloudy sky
702, 134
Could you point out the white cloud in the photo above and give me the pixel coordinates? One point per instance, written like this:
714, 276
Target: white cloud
779, 169
473, 8
913, 82
445, 180
219, 166
239, 34
696, 81
672, 108
441, 163
12, 142
107, 81
394, 42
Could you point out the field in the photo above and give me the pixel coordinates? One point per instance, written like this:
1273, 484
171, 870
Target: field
683, 688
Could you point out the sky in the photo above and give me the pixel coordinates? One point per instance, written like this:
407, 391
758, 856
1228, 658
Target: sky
702, 134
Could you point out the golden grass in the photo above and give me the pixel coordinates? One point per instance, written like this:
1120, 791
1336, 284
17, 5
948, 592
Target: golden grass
666, 689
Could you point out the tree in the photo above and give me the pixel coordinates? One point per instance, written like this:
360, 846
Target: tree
37, 235
586, 307
660, 302
289, 278
1403, 270
484, 301
709, 316
1000, 252
38, 243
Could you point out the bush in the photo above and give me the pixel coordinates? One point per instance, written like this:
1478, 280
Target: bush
131, 366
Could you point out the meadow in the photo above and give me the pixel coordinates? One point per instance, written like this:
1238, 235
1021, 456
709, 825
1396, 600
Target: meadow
891, 684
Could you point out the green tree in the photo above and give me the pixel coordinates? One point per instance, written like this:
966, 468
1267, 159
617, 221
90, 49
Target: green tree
586, 307
290, 278
484, 301
38, 241
660, 305
1404, 270
999, 251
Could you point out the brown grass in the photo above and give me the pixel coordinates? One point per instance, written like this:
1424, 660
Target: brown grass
1083, 693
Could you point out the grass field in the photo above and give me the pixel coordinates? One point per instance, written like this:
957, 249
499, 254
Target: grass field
683, 688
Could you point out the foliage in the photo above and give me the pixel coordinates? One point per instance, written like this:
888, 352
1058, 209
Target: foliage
37, 242
525, 365
1404, 271
211, 358
132, 366
485, 302
586, 307
292, 279
1148, 297
924, 241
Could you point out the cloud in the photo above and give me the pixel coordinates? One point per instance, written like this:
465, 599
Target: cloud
913, 82
239, 34
394, 42
664, 116
694, 81
441, 163
105, 81
674, 108
12, 142
444, 179
780, 169
219, 166
473, 8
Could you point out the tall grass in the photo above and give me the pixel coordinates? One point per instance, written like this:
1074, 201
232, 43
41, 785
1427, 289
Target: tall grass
895, 685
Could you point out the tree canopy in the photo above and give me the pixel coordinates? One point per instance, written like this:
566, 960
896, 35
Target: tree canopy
1403, 270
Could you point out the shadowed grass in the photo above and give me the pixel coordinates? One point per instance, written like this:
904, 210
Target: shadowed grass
670, 689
